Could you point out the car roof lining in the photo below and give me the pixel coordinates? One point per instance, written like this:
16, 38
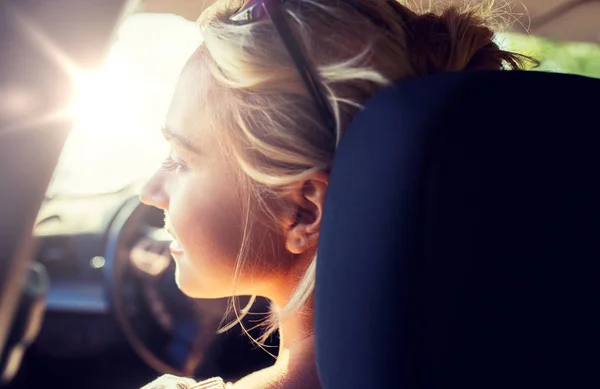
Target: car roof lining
561, 20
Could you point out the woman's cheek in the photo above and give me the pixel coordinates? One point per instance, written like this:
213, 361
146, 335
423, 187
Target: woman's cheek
207, 222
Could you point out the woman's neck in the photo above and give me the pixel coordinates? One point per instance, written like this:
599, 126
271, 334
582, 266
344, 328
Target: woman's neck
295, 367
294, 330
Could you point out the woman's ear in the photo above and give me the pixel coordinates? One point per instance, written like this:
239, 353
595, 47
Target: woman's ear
307, 200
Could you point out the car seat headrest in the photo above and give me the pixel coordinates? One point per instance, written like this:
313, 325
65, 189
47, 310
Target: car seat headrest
460, 239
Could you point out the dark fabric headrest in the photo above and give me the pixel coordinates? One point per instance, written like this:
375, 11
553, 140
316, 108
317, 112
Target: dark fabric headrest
460, 245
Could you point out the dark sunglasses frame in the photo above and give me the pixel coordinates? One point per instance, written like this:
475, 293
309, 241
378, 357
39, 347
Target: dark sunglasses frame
261, 9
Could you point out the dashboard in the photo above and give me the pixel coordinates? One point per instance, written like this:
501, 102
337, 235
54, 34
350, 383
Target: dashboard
71, 238
72, 235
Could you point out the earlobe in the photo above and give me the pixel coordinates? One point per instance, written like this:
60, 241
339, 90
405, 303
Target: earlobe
298, 244
301, 241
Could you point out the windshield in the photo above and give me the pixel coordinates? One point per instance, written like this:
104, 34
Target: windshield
120, 108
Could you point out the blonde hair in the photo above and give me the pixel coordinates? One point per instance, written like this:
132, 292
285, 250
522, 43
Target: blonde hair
265, 116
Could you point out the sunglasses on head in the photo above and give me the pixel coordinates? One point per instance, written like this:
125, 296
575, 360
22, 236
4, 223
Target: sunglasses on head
261, 9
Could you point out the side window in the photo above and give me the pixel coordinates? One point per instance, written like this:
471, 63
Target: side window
562, 57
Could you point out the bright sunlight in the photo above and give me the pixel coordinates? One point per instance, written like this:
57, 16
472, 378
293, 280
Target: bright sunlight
120, 107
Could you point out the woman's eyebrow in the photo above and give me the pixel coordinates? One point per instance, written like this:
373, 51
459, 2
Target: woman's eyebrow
181, 140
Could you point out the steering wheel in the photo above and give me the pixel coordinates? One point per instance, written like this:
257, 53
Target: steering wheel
171, 332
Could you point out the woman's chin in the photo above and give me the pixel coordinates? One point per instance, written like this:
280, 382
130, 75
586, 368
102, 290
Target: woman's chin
197, 288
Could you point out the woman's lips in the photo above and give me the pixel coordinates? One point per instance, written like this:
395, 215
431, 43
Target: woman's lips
175, 247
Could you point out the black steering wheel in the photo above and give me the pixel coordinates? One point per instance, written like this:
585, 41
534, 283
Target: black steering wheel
171, 332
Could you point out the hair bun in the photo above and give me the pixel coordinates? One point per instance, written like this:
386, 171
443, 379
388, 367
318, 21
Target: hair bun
453, 41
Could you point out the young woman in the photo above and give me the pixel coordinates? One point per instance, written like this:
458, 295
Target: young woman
253, 128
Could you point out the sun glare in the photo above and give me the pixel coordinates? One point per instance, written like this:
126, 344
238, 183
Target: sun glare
119, 108
107, 102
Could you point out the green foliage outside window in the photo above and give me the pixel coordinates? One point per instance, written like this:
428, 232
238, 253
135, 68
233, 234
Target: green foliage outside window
562, 57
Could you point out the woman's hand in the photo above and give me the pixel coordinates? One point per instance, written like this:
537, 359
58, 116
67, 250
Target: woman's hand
169, 381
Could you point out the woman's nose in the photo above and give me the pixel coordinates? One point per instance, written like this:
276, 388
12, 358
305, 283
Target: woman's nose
154, 194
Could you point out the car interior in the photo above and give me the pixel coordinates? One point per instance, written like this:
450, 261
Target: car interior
475, 264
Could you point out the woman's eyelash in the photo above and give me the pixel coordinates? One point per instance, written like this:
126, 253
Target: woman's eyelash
170, 164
